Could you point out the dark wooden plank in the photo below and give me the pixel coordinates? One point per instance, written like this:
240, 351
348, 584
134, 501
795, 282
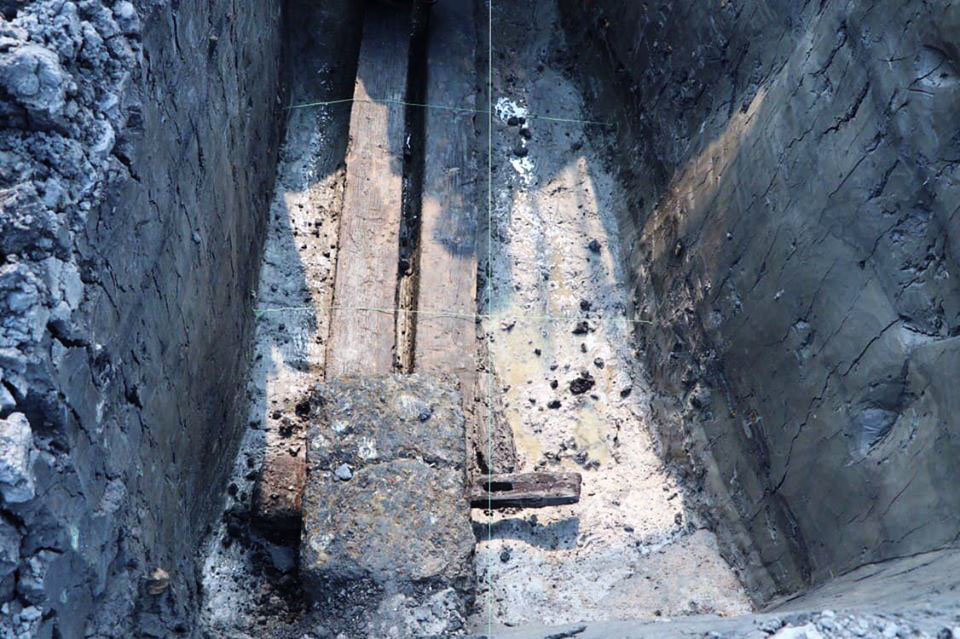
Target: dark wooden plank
361, 341
446, 333
279, 489
525, 490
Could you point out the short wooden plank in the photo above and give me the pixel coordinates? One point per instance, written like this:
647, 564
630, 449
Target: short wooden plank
279, 489
361, 341
525, 490
446, 333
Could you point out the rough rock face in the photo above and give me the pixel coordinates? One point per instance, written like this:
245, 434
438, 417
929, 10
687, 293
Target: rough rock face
385, 517
136, 147
794, 168
16, 459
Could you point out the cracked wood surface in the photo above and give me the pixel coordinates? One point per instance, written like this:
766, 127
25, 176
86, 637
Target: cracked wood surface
446, 333
362, 341
525, 490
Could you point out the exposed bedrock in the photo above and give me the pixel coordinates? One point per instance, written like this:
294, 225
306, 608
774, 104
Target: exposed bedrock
137, 147
794, 169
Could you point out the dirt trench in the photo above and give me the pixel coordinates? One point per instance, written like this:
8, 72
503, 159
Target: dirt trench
583, 318
536, 229
553, 350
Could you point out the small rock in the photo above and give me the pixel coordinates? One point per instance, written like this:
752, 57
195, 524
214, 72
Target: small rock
302, 409
158, 582
582, 384
30, 614
807, 631
626, 392
582, 328
525, 133
554, 404
33, 77
598, 362
126, 17
594, 246
16, 448
505, 555
513, 120
520, 151
585, 305
343, 472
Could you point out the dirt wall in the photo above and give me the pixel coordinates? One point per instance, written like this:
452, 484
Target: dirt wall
794, 173
138, 146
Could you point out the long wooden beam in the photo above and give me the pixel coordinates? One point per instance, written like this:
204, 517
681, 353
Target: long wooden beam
446, 333
362, 324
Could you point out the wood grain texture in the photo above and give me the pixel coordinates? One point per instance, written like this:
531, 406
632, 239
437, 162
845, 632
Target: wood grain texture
525, 490
448, 231
361, 341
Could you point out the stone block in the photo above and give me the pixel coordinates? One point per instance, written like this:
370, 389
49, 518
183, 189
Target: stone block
384, 506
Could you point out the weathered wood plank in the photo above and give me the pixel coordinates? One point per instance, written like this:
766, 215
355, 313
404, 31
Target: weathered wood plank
362, 341
448, 231
525, 490
446, 333
278, 495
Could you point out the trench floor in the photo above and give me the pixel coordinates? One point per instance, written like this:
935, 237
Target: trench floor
630, 548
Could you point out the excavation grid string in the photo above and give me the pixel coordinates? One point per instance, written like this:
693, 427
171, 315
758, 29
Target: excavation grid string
441, 107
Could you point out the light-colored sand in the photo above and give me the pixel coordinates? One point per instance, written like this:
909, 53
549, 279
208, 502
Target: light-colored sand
628, 549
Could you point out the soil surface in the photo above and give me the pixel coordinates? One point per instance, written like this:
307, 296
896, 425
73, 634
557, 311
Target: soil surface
559, 340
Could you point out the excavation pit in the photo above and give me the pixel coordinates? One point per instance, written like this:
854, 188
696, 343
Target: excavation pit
699, 255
